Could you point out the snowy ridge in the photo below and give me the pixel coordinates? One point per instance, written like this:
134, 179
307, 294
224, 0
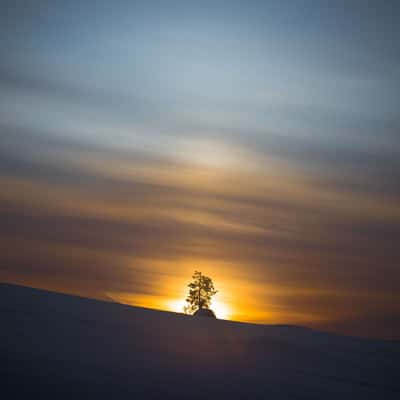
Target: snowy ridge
59, 345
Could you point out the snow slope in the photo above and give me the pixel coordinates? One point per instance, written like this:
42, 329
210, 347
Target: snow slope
59, 346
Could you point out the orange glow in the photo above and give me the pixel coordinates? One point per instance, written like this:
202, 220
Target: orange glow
221, 310
258, 237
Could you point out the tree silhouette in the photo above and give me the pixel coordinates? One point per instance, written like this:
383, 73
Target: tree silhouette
200, 291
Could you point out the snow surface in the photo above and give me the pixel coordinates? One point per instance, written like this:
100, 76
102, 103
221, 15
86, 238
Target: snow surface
60, 346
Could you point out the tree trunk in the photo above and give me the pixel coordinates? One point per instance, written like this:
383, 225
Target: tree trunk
200, 292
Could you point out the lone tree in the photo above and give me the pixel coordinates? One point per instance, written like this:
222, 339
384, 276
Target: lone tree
200, 291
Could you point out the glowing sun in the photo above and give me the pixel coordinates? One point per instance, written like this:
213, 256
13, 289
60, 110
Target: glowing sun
221, 310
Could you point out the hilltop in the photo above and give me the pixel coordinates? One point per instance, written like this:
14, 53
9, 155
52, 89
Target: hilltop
62, 346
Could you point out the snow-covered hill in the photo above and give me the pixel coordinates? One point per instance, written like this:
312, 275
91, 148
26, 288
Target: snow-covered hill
59, 346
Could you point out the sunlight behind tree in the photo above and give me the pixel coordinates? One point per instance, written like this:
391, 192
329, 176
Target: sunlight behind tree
201, 289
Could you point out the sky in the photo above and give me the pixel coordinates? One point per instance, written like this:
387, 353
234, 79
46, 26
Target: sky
256, 141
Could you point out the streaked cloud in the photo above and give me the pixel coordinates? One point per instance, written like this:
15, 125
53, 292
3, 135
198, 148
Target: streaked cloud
258, 144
